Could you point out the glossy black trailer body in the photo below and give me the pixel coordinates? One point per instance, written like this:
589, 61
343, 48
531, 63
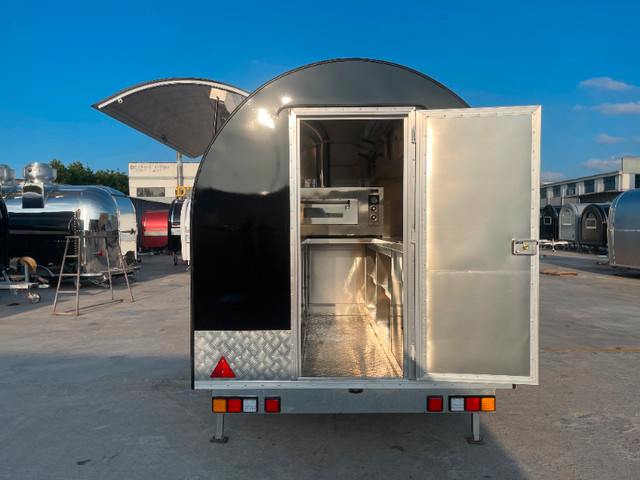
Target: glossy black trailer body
175, 209
240, 217
549, 222
41, 236
4, 236
593, 225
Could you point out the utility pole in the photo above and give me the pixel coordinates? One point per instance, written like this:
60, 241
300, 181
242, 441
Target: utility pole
180, 185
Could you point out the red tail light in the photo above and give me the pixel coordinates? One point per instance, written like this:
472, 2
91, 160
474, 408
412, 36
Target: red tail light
472, 404
272, 405
434, 404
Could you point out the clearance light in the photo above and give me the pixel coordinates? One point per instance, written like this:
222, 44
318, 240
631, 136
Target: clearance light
488, 404
234, 405
219, 405
272, 405
434, 404
250, 405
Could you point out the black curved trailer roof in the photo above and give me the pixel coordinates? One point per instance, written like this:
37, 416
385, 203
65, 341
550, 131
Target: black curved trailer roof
240, 216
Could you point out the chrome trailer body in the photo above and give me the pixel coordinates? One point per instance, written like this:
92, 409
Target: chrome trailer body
39, 225
624, 230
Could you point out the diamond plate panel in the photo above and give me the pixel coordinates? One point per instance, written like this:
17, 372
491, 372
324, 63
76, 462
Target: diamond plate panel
254, 355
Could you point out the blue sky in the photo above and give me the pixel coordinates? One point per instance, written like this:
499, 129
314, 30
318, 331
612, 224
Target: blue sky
579, 60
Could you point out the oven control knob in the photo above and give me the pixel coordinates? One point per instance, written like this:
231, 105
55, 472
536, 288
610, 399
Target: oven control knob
374, 217
374, 208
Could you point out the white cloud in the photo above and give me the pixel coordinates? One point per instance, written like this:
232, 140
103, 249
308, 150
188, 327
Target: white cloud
605, 83
608, 165
619, 108
608, 140
551, 176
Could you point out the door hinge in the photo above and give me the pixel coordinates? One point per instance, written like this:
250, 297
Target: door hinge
413, 135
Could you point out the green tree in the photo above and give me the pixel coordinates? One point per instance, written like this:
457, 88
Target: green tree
78, 174
114, 179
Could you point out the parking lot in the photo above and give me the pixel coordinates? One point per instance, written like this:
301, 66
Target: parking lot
106, 395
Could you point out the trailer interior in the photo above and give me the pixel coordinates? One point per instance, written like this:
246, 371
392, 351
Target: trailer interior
352, 282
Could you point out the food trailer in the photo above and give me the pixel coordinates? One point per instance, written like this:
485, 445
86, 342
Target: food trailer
593, 225
549, 222
624, 230
42, 214
347, 253
569, 222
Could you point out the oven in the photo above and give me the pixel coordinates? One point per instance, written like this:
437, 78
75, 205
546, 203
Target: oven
341, 212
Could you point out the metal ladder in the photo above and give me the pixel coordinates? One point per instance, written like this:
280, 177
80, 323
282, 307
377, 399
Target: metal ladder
78, 239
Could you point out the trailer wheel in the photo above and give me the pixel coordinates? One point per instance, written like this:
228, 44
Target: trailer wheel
33, 297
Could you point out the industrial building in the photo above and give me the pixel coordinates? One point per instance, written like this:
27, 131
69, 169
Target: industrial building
159, 181
600, 188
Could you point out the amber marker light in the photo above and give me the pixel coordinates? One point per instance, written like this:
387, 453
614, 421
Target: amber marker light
488, 404
219, 405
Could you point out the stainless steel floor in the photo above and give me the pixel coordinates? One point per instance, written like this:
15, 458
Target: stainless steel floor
346, 346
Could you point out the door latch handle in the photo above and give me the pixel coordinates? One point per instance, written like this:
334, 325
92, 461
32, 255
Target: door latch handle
524, 247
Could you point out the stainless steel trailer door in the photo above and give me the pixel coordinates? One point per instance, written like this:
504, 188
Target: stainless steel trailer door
477, 207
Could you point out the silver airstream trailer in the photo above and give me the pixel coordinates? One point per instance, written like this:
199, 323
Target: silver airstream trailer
323, 207
593, 225
624, 230
569, 222
42, 214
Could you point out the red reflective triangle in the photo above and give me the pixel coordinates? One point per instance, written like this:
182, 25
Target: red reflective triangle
222, 370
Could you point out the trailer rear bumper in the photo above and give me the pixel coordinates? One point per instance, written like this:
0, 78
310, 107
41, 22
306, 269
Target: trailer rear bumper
354, 400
